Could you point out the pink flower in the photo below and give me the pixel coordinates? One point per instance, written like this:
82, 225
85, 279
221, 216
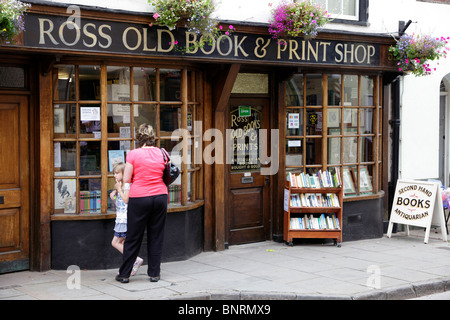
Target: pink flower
231, 27
156, 15
227, 33
220, 27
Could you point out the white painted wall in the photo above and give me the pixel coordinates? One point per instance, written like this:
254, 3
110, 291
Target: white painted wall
420, 96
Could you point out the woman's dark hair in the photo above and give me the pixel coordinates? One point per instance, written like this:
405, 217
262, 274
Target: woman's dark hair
145, 136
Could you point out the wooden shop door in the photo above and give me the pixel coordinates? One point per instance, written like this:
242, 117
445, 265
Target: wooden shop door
14, 184
248, 190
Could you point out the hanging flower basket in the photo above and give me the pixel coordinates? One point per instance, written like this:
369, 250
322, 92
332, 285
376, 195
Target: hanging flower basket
297, 19
11, 20
195, 15
413, 53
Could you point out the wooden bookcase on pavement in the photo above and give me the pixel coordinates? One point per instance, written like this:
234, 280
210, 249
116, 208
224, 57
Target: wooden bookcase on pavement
322, 231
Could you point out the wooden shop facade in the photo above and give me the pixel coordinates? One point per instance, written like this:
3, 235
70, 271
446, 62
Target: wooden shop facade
74, 91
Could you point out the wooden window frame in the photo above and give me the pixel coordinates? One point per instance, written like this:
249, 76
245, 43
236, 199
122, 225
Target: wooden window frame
191, 96
376, 134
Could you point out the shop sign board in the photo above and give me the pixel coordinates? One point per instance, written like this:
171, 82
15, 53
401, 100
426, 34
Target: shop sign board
92, 35
418, 203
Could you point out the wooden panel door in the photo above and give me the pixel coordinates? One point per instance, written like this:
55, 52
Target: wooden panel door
14, 184
248, 192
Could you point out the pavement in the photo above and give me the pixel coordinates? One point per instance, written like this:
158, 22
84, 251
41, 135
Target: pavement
398, 268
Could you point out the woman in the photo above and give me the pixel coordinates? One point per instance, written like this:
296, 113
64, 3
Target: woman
147, 205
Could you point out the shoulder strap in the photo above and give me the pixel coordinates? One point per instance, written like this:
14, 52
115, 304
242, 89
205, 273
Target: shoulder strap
165, 155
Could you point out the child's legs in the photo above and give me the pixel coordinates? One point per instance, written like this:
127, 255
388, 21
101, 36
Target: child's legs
117, 242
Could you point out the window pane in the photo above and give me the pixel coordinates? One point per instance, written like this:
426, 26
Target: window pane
350, 149
119, 76
89, 82
168, 144
294, 122
90, 196
348, 182
90, 119
65, 158
119, 119
175, 193
294, 152
366, 91
116, 153
294, 91
64, 118
170, 119
111, 187
335, 6
65, 195
170, 84
350, 121
349, 7
366, 121
145, 81
334, 90
146, 114
244, 138
334, 121
314, 122
90, 160
350, 90
365, 179
313, 89
64, 88
313, 151
366, 149
334, 150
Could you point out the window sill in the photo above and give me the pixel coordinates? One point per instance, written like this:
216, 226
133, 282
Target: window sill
365, 197
111, 215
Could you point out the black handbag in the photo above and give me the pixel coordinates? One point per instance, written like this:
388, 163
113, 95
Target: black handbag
171, 171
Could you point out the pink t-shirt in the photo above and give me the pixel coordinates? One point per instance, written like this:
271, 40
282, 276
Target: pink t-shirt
148, 166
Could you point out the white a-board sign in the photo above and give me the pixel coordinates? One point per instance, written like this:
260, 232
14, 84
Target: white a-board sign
418, 203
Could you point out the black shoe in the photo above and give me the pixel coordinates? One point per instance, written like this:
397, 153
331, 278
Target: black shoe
122, 279
154, 279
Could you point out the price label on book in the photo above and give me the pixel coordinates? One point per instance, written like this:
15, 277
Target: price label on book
418, 203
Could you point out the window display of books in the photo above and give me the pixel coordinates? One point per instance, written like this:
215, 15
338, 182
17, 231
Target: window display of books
90, 201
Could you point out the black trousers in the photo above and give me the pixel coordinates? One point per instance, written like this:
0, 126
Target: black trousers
145, 212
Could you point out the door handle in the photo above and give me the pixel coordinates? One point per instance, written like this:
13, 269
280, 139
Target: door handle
2, 199
267, 180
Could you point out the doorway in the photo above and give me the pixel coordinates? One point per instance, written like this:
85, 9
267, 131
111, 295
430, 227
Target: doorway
14, 184
248, 209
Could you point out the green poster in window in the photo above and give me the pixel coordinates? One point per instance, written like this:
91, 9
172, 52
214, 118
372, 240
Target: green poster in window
244, 111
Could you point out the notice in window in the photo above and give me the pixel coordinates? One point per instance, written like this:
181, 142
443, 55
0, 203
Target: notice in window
90, 113
294, 121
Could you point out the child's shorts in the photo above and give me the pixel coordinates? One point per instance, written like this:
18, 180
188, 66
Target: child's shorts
120, 230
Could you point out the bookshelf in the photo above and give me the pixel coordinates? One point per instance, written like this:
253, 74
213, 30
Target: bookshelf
313, 207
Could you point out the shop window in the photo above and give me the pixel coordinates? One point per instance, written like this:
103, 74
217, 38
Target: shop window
352, 128
94, 129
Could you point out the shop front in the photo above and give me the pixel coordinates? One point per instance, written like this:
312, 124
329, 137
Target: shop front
236, 115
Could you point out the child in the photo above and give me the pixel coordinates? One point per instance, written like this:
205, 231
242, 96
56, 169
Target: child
121, 195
